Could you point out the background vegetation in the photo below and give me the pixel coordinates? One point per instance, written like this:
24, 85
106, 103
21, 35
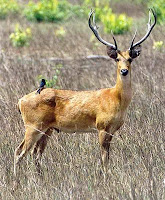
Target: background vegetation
61, 53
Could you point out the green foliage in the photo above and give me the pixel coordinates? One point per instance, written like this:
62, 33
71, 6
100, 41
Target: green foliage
119, 24
54, 81
97, 3
59, 10
7, 7
47, 10
20, 37
159, 7
60, 32
99, 7
158, 45
79, 11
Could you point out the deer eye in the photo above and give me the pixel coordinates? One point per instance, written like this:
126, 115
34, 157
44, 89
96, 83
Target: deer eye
117, 59
129, 60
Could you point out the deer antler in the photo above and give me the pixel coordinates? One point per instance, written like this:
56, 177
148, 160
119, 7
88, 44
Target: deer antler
150, 27
95, 31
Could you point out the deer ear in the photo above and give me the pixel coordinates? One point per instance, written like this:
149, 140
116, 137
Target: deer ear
135, 52
112, 53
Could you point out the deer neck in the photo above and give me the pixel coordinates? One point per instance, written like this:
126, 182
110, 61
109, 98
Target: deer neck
123, 88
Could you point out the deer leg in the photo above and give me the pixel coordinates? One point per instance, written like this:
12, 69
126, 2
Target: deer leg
17, 154
39, 149
31, 136
104, 140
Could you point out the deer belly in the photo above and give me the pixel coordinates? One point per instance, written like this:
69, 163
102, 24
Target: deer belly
75, 123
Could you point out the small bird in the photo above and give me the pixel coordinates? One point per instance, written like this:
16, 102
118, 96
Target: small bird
42, 84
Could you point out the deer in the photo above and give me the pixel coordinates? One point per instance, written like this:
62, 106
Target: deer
72, 111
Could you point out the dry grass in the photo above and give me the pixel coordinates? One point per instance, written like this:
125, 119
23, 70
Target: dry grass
71, 163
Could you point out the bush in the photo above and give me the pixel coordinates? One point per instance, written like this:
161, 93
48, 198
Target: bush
8, 7
159, 7
79, 11
60, 32
47, 10
53, 82
158, 45
20, 37
118, 24
99, 7
58, 10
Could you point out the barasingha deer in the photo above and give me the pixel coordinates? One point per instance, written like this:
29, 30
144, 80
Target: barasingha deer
80, 111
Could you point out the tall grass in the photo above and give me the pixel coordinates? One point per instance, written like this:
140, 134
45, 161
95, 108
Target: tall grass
71, 163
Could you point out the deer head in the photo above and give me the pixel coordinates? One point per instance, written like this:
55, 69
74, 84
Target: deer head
123, 59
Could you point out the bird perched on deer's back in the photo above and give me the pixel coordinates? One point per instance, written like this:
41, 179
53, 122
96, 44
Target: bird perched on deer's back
42, 84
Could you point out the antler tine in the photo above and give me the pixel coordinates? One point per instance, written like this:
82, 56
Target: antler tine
95, 31
94, 22
133, 39
150, 27
114, 39
149, 20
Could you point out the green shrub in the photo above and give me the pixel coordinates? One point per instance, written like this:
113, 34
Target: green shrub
159, 7
60, 32
99, 6
97, 3
118, 24
47, 10
53, 82
158, 45
8, 7
79, 11
20, 37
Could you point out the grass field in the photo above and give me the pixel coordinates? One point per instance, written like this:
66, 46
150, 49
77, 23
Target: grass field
71, 163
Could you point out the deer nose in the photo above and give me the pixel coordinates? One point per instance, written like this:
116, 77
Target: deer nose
124, 72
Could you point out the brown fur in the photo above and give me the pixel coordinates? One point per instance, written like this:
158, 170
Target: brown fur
75, 111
